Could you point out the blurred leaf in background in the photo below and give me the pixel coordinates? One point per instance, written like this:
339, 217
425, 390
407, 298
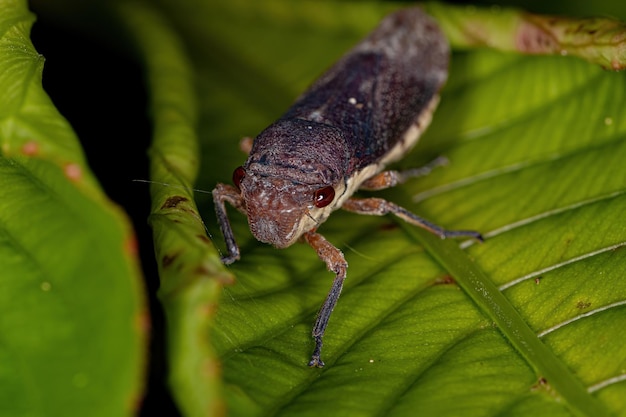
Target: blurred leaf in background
73, 320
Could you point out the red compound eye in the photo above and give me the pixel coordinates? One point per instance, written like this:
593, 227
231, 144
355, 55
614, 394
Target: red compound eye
238, 175
324, 196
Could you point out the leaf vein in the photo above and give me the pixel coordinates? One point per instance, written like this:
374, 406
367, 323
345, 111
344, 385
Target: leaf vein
540, 216
559, 265
607, 382
581, 316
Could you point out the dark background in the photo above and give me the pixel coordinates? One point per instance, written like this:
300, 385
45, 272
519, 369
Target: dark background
98, 111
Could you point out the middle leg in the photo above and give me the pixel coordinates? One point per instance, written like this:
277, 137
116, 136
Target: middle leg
381, 207
388, 179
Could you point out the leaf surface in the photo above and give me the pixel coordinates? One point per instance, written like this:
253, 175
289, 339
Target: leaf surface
73, 321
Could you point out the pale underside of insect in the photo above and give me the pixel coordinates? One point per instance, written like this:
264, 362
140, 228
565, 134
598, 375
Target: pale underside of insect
365, 112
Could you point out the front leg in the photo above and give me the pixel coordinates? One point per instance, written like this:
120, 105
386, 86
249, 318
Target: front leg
388, 179
380, 207
223, 193
336, 263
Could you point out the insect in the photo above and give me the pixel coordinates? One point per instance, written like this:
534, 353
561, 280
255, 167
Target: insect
366, 111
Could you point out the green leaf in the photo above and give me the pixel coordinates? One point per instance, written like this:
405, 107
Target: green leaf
73, 323
190, 271
536, 151
598, 40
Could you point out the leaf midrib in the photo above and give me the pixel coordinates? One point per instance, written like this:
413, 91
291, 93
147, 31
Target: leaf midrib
496, 306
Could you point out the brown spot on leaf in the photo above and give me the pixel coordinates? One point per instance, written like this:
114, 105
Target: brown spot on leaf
142, 322
581, 305
131, 246
211, 368
541, 383
207, 310
388, 226
167, 260
73, 171
209, 271
616, 65
532, 39
203, 238
174, 201
30, 148
445, 280
202, 270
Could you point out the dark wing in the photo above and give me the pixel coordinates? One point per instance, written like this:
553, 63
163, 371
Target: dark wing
380, 87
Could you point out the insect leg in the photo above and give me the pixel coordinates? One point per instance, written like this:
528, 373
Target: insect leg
388, 179
226, 193
380, 207
336, 263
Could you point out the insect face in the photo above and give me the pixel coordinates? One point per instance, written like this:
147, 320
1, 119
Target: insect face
293, 179
280, 210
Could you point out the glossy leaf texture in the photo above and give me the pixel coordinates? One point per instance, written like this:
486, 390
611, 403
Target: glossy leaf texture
73, 321
535, 147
